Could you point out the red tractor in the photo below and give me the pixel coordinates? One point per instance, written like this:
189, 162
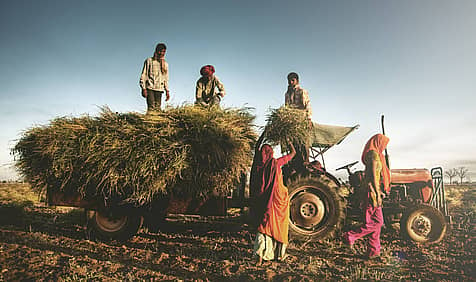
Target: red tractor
416, 201
320, 203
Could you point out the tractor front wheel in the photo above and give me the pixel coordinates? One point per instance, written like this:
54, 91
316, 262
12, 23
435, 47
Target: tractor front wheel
423, 224
107, 225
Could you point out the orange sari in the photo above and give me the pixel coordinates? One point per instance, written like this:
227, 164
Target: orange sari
271, 196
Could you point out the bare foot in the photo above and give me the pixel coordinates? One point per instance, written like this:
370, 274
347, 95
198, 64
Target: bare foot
260, 260
281, 259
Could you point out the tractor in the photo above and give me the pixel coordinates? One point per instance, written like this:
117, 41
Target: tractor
320, 204
416, 201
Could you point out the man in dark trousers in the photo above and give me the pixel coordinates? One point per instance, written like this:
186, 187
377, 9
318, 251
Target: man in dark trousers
154, 79
298, 97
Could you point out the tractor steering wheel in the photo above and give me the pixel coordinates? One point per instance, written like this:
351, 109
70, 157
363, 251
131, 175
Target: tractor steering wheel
347, 166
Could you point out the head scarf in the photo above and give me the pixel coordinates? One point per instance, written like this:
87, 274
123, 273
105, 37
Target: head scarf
378, 143
267, 153
207, 70
262, 182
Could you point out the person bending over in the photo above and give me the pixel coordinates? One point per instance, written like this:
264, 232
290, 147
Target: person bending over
209, 90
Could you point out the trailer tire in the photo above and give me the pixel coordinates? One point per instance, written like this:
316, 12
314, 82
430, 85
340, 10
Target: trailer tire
423, 224
106, 225
316, 209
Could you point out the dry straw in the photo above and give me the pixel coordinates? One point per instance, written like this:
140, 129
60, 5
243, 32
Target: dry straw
135, 158
287, 125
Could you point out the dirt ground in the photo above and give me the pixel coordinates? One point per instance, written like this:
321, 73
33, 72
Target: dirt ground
44, 243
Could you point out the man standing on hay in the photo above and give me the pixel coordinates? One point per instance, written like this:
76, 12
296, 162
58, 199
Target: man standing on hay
154, 80
206, 92
298, 97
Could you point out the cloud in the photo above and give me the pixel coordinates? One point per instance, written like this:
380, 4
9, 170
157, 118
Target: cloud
8, 172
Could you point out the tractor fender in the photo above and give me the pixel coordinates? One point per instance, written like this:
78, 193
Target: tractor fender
333, 178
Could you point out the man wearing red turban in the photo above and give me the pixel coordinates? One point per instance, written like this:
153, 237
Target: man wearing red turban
209, 89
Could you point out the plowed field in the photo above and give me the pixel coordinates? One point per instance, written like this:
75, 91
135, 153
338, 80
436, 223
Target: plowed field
45, 243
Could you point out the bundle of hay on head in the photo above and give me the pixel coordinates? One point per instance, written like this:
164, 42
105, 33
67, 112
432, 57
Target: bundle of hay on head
287, 125
134, 157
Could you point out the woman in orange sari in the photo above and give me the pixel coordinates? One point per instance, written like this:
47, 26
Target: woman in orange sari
271, 204
376, 177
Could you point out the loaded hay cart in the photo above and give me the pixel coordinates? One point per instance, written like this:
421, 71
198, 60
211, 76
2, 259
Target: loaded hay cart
126, 169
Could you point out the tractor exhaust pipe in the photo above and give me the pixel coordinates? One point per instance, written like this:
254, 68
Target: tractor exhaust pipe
383, 132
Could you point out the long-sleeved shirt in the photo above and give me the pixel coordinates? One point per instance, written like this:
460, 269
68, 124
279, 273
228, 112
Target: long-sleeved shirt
152, 77
206, 88
299, 98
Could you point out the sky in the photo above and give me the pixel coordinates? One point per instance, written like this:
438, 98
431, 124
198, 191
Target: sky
412, 61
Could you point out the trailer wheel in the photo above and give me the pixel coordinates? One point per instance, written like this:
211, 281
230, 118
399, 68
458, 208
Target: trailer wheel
423, 224
316, 209
106, 225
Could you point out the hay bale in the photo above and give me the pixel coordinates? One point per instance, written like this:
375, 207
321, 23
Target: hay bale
134, 157
287, 125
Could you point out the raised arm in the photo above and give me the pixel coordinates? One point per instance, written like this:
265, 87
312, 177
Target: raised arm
258, 143
285, 159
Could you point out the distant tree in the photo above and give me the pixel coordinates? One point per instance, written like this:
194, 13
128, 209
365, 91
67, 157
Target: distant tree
451, 173
461, 172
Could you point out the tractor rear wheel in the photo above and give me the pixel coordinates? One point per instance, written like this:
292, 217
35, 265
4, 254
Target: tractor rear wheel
316, 208
116, 226
423, 224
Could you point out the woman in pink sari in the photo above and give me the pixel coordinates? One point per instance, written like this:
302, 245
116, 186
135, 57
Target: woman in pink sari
376, 176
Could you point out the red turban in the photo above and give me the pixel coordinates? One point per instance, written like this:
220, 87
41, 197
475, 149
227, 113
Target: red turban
207, 70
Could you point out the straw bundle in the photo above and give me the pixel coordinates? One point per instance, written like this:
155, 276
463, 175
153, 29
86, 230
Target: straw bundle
134, 157
287, 125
